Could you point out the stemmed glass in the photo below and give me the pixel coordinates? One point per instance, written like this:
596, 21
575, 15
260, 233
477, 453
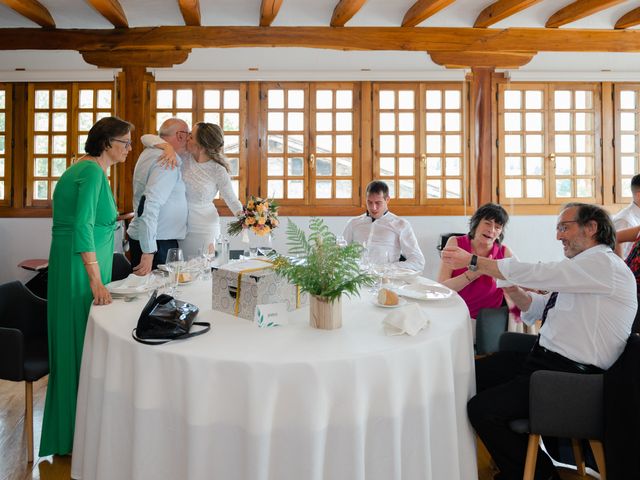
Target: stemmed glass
208, 255
379, 260
175, 263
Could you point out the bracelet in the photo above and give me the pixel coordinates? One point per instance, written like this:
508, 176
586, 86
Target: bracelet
467, 276
95, 262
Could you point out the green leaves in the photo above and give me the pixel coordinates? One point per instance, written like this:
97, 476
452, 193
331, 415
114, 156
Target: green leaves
324, 269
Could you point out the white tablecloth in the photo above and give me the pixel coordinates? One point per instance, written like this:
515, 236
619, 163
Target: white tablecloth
281, 403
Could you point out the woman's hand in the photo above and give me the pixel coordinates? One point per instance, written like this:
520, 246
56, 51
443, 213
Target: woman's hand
168, 157
455, 257
101, 296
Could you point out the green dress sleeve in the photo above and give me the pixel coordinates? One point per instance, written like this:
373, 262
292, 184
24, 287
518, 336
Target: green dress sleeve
89, 184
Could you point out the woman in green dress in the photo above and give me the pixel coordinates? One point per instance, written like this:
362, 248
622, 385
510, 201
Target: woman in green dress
80, 259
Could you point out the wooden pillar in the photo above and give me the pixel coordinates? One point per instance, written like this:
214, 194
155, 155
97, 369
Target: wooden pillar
482, 115
134, 108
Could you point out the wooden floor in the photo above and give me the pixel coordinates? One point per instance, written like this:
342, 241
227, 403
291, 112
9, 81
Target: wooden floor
13, 455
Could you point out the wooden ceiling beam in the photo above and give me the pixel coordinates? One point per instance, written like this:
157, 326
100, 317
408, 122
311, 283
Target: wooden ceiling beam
481, 59
112, 11
500, 10
629, 19
345, 38
577, 10
268, 11
33, 10
344, 11
423, 9
135, 58
190, 10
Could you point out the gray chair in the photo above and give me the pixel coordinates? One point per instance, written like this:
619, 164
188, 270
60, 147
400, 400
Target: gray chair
490, 324
24, 354
561, 404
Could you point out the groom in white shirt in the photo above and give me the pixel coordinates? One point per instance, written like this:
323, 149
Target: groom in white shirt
378, 228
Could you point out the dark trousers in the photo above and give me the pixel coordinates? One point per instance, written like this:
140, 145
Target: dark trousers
502, 381
159, 257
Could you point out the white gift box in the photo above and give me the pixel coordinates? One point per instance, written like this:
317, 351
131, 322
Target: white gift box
239, 286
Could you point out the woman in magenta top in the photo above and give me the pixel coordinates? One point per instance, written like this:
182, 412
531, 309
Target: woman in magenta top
485, 240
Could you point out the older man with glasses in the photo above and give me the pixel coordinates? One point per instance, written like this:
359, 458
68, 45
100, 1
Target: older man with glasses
585, 325
159, 201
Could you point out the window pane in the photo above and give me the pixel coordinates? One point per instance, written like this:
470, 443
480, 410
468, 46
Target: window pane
563, 165
231, 144
184, 99
59, 144
452, 144
59, 122
324, 121
295, 144
344, 143
296, 99
212, 99
533, 143
534, 122
275, 121
344, 121
275, 188
433, 99
453, 122
534, 165
86, 99
295, 121
453, 166
562, 122
434, 189
344, 166
58, 166
434, 144
452, 99
85, 121
563, 143
104, 99
562, 99
324, 143
405, 99
513, 188
295, 189
433, 122
584, 187
533, 99
512, 144
387, 144
512, 121
41, 189
627, 121
386, 99
41, 122
42, 99
405, 166
41, 167
584, 165
276, 98
512, 99
584, 121
387, 122
324, 99
534, 188
344, 188
165, 99
453, 188
231, 99
344, 99
584, 99
434, 167
407, 189
627, 143
563, 188
324, 166
296, 167
513, 165
628, 99
405, 122
406, 144
387, 167
628, 165
323, 189
41, 144
231, 122
212, 117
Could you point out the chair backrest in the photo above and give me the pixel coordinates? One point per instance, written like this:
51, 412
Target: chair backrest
22, 310
121, 268
516, 342
490, 324
444, 237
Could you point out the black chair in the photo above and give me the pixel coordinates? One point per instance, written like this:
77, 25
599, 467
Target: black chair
24, 353
444, 238
490, 324
121, 268
563, 405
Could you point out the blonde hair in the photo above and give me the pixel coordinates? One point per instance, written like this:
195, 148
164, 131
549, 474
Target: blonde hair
211, 138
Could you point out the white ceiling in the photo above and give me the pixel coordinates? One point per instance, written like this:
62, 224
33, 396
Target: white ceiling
299, 63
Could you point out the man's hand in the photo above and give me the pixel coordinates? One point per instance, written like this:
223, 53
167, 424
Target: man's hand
145, 266
455, 257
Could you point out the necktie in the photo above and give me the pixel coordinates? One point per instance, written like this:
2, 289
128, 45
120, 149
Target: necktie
550, 304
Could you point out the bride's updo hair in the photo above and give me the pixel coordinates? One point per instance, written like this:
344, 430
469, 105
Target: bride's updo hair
211, 138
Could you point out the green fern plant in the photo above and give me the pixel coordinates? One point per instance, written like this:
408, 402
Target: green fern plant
323, 268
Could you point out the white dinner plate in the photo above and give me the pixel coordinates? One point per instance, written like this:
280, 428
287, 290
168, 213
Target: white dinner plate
403, 274
401, 302
132, 285
421, 291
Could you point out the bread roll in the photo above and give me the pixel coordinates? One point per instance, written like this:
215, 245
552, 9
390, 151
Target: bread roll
387, 297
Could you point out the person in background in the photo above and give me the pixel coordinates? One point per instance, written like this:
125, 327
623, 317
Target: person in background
205, 172
586, 321
80, 259
630, 215
632, 259
159, 201
486, 232
381, 229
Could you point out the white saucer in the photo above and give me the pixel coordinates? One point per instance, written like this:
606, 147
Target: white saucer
401, 302
420, 291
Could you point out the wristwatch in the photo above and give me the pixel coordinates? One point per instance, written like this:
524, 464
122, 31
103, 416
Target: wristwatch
473, 264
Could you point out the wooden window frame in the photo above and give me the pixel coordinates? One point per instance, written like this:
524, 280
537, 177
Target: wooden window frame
8, 141
617, 142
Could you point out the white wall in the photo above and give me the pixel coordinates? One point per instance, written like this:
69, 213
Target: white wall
532, 238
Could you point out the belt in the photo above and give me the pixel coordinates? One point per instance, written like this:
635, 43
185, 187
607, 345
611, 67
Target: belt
539, 351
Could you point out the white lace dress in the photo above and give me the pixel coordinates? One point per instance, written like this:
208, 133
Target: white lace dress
203, 182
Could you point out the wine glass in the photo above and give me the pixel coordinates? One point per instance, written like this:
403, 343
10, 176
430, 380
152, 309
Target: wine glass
175, 263
265, 245
208, 255
380, 262
341, 241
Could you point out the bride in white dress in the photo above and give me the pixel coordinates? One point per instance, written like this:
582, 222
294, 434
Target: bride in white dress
205, 173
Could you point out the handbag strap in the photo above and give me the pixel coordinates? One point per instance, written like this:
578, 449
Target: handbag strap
207, 326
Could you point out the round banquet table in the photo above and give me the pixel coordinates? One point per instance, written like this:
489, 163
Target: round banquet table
281, 403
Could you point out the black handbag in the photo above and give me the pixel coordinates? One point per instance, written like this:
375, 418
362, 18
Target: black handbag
164, 319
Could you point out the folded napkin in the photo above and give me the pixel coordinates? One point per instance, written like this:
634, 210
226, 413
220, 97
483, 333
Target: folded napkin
253, 264
133, 282
408, 319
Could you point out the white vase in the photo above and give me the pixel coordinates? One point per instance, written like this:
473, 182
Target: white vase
324, 314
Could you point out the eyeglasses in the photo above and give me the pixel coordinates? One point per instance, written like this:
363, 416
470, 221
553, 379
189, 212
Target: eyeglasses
185, 132
127, 143
563, 227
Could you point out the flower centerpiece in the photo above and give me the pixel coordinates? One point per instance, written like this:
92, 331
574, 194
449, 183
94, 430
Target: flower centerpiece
324, 269
259, 215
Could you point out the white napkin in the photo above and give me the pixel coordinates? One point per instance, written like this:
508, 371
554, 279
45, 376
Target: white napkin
246, 265
133, 282
409, 319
